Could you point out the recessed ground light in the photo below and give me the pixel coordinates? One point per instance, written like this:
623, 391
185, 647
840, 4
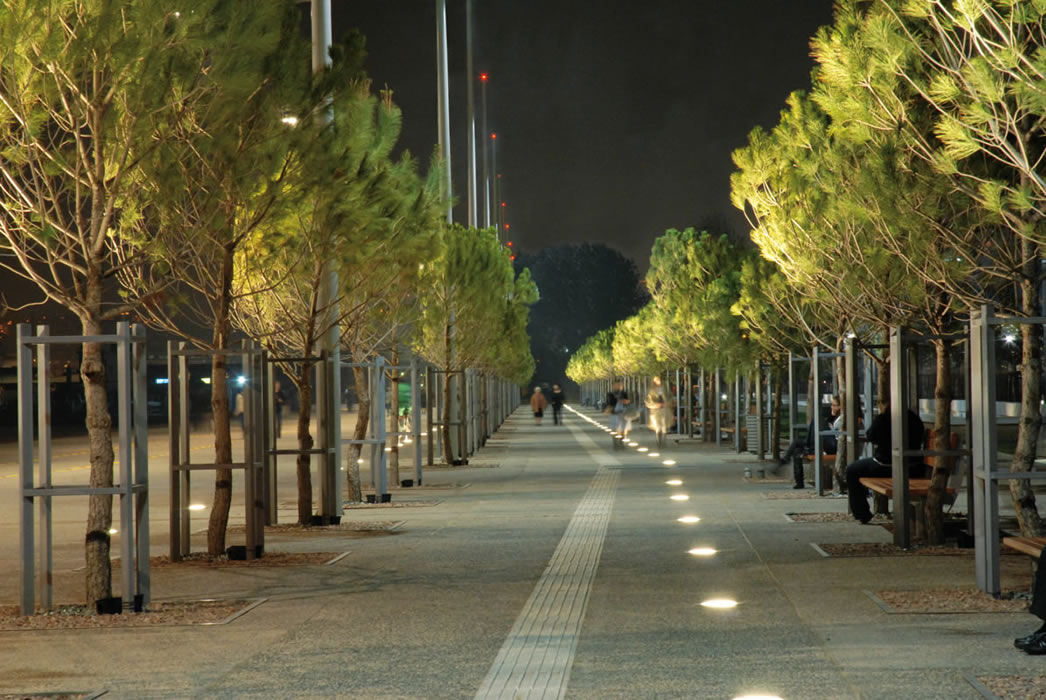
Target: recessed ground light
679, 497
669, 462
758, 697
721, 603
654, 454
633, 444
702, 551
674, 482
197, 506
689, 519
113, 531
644, 449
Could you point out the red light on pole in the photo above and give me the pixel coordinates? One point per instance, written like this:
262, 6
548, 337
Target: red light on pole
493, 135
509, 244
483, 77
502, 204
506, 227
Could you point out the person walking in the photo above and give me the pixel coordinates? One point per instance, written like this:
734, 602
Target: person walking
537, 405
557, 400
658, 410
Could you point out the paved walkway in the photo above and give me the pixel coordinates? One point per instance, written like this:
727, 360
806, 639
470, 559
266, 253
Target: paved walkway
551, 567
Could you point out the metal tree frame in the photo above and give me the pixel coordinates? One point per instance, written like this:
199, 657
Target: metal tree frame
253, 464
328, 422
133, 457
902, 393
983, 421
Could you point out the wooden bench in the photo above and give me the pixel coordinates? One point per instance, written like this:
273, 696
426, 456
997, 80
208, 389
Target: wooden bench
1032, 546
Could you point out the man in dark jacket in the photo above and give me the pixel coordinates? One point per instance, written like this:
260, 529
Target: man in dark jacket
880, 463
557, 400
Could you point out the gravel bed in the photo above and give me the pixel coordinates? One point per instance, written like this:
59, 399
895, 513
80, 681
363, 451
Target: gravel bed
357, 505
889, 549
269, 559
798, 493
1016, 687
343, 528
820, 517
954, 600
199, 612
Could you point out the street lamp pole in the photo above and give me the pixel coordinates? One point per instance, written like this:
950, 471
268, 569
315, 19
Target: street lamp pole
473, 200
495, 184
443, 102
486, 157
328, 389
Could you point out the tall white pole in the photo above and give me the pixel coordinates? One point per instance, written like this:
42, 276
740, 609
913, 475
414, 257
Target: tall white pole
486, 155
329, 389
443, 102
471, 98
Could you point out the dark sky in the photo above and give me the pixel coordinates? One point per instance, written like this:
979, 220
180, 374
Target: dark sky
615, 119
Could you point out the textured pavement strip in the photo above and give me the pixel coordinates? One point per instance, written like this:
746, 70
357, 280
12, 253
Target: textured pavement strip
535, 660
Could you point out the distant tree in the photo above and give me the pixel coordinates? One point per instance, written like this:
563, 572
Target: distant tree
470, 295
584, 288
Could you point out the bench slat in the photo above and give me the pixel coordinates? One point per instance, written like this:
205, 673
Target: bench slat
917, 488
1032, 546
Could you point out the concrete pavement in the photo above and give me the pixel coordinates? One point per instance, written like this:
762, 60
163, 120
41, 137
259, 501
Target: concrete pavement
563, 571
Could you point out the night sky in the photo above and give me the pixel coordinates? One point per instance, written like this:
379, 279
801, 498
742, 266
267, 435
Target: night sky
615, 119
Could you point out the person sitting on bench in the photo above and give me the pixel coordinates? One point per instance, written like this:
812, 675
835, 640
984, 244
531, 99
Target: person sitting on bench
803, 446
880, 463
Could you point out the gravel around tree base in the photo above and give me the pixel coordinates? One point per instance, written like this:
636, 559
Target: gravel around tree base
200, 612
954, 600
1016, 687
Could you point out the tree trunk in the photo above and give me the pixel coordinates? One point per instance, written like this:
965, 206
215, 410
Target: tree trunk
840, 464
353, 488
98, 578
934, 507
1031, 377
219, 518
304, 462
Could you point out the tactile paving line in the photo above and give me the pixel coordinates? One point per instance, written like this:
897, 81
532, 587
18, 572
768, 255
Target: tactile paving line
535, 660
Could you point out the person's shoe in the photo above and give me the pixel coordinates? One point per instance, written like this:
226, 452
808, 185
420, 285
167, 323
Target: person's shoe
1023, 643
865, 519
1036, 646
799, 486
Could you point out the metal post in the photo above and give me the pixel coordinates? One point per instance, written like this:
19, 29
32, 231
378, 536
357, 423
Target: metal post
141, 462
271, 458
981, 410
123, 401
430, 395
813, 407
899, 432
380, 469
415, 423
185, 457
760, 443
45, 505
25, 464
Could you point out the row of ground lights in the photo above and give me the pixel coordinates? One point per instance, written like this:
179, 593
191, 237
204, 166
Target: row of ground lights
618, 436
714, 603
